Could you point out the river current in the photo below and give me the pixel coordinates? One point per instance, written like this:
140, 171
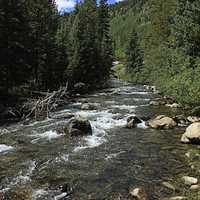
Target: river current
38, 159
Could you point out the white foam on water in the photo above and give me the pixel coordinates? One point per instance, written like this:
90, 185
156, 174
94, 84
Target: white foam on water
101, 122
38, 122
24, 177
113, 155
130, 93
4, 131
110, 102
92, 141
62, 158
142, 125
5, 148
38, 193
130, 108
60, 196
48, 135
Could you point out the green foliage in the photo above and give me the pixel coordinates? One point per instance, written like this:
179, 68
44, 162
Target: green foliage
169, 37
134, 59
43, 50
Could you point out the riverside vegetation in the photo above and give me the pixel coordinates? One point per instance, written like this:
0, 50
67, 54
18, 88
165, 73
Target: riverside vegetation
51, 59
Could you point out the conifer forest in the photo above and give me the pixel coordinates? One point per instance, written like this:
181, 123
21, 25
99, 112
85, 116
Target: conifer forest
99, 99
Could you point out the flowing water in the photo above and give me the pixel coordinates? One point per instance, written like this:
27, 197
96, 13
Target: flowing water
112, 160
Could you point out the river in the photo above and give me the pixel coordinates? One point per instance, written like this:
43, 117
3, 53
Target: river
38, 159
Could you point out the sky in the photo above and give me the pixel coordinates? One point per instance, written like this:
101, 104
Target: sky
69, 4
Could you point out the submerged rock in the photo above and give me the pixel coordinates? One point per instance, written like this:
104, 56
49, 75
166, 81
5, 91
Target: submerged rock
162, 122
192, 134
133, 121
168, 185
189, 180
139, 193
90, 106
78, 127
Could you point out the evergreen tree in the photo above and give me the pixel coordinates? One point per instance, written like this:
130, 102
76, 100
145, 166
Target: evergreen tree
14, 38
83, 66
104, 40
134, 56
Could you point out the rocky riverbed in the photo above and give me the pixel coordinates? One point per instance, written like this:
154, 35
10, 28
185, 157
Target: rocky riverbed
41, 161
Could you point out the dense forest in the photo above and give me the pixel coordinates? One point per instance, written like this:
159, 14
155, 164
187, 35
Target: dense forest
42, 49
159, 42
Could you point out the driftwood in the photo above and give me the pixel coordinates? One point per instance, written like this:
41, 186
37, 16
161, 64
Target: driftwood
47, 102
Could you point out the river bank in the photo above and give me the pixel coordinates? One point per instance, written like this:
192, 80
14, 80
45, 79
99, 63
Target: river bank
37, 162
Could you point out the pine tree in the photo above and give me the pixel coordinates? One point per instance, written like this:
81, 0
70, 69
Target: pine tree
83, 65
134, 56
104, 40
14, 36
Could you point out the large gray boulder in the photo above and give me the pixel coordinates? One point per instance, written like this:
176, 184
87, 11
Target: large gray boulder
192, 134
78, 127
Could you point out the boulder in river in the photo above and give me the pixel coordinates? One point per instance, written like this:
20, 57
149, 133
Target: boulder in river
189, 180
78, 127
139, 193
192, 134
162, 122
90, 106
132, 122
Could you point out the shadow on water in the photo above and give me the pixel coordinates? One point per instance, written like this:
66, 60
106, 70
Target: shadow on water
111, 161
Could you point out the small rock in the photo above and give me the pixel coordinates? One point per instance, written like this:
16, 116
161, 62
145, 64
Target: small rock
2, 196
162, 122
194, 187
78, 127
91, 197
155, 103
90, 106
189, 180
133, 121
174, 105
168, 185
178, 198
139, 193
193, 119
181, 120
192, 134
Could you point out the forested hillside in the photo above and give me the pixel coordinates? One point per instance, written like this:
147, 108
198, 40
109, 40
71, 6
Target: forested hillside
42, 49
159, 41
